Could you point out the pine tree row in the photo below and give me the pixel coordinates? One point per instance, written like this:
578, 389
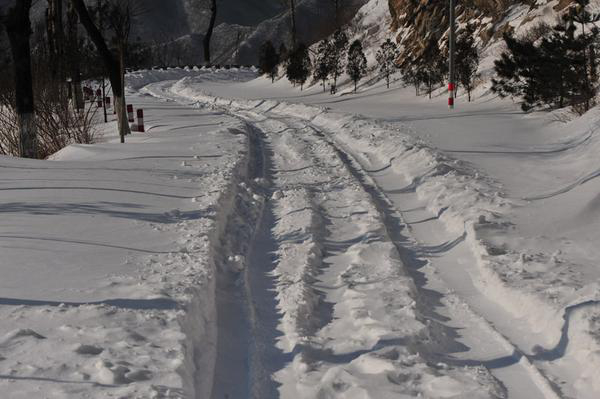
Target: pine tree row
334, 56
331, 59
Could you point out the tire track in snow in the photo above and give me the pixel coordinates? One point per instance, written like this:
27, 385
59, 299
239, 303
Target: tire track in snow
409, 250
339, 236
246, 354
246, 311
358, 175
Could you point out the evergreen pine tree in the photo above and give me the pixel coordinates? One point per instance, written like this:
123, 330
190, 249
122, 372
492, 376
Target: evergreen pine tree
552, 72
339, 47
323, 62
268, 60
408, 68
514, 64
467, 59
386, 57
299, 65
580, 14
431, 66
357, 63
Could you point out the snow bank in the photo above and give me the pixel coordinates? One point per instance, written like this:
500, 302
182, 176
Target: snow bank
109, 261
138, 79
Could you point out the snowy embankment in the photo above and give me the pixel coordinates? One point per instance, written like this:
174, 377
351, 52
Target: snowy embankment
108, 260
138, 79
467, 203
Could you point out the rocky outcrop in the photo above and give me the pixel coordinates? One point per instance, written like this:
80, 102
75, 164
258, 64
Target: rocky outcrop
419, 21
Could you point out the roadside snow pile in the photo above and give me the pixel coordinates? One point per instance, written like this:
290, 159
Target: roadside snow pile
108, 262
138, 79
468, 203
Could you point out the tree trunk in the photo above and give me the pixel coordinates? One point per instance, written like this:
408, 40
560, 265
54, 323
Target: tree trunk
18, 27
124, 122
588, 85
429, 86
335, 76
111, 64
74, 58
104, 100
54, 31
355, 83
209, 31
388, 81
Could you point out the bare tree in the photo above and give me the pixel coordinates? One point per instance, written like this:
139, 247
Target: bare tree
114, 67
209, 31
18, 28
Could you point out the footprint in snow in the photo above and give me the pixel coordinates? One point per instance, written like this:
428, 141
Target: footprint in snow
137, 337
20, 333
111, 374
91, 350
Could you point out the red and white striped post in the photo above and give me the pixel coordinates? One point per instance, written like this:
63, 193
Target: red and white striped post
140, 118
99, 97
130, 113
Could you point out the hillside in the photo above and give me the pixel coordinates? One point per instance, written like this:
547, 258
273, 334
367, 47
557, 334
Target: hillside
415, 22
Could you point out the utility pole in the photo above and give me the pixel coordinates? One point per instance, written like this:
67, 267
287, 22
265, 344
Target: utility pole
451, 50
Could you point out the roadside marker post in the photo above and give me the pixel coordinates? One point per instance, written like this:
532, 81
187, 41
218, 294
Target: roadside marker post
99, 98
140, 118
130, 113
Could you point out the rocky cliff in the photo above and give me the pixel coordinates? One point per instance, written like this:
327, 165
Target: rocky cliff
417, 21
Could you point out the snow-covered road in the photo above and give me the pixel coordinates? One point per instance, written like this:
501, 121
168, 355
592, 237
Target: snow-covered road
264, 249
350, 317
448, 219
